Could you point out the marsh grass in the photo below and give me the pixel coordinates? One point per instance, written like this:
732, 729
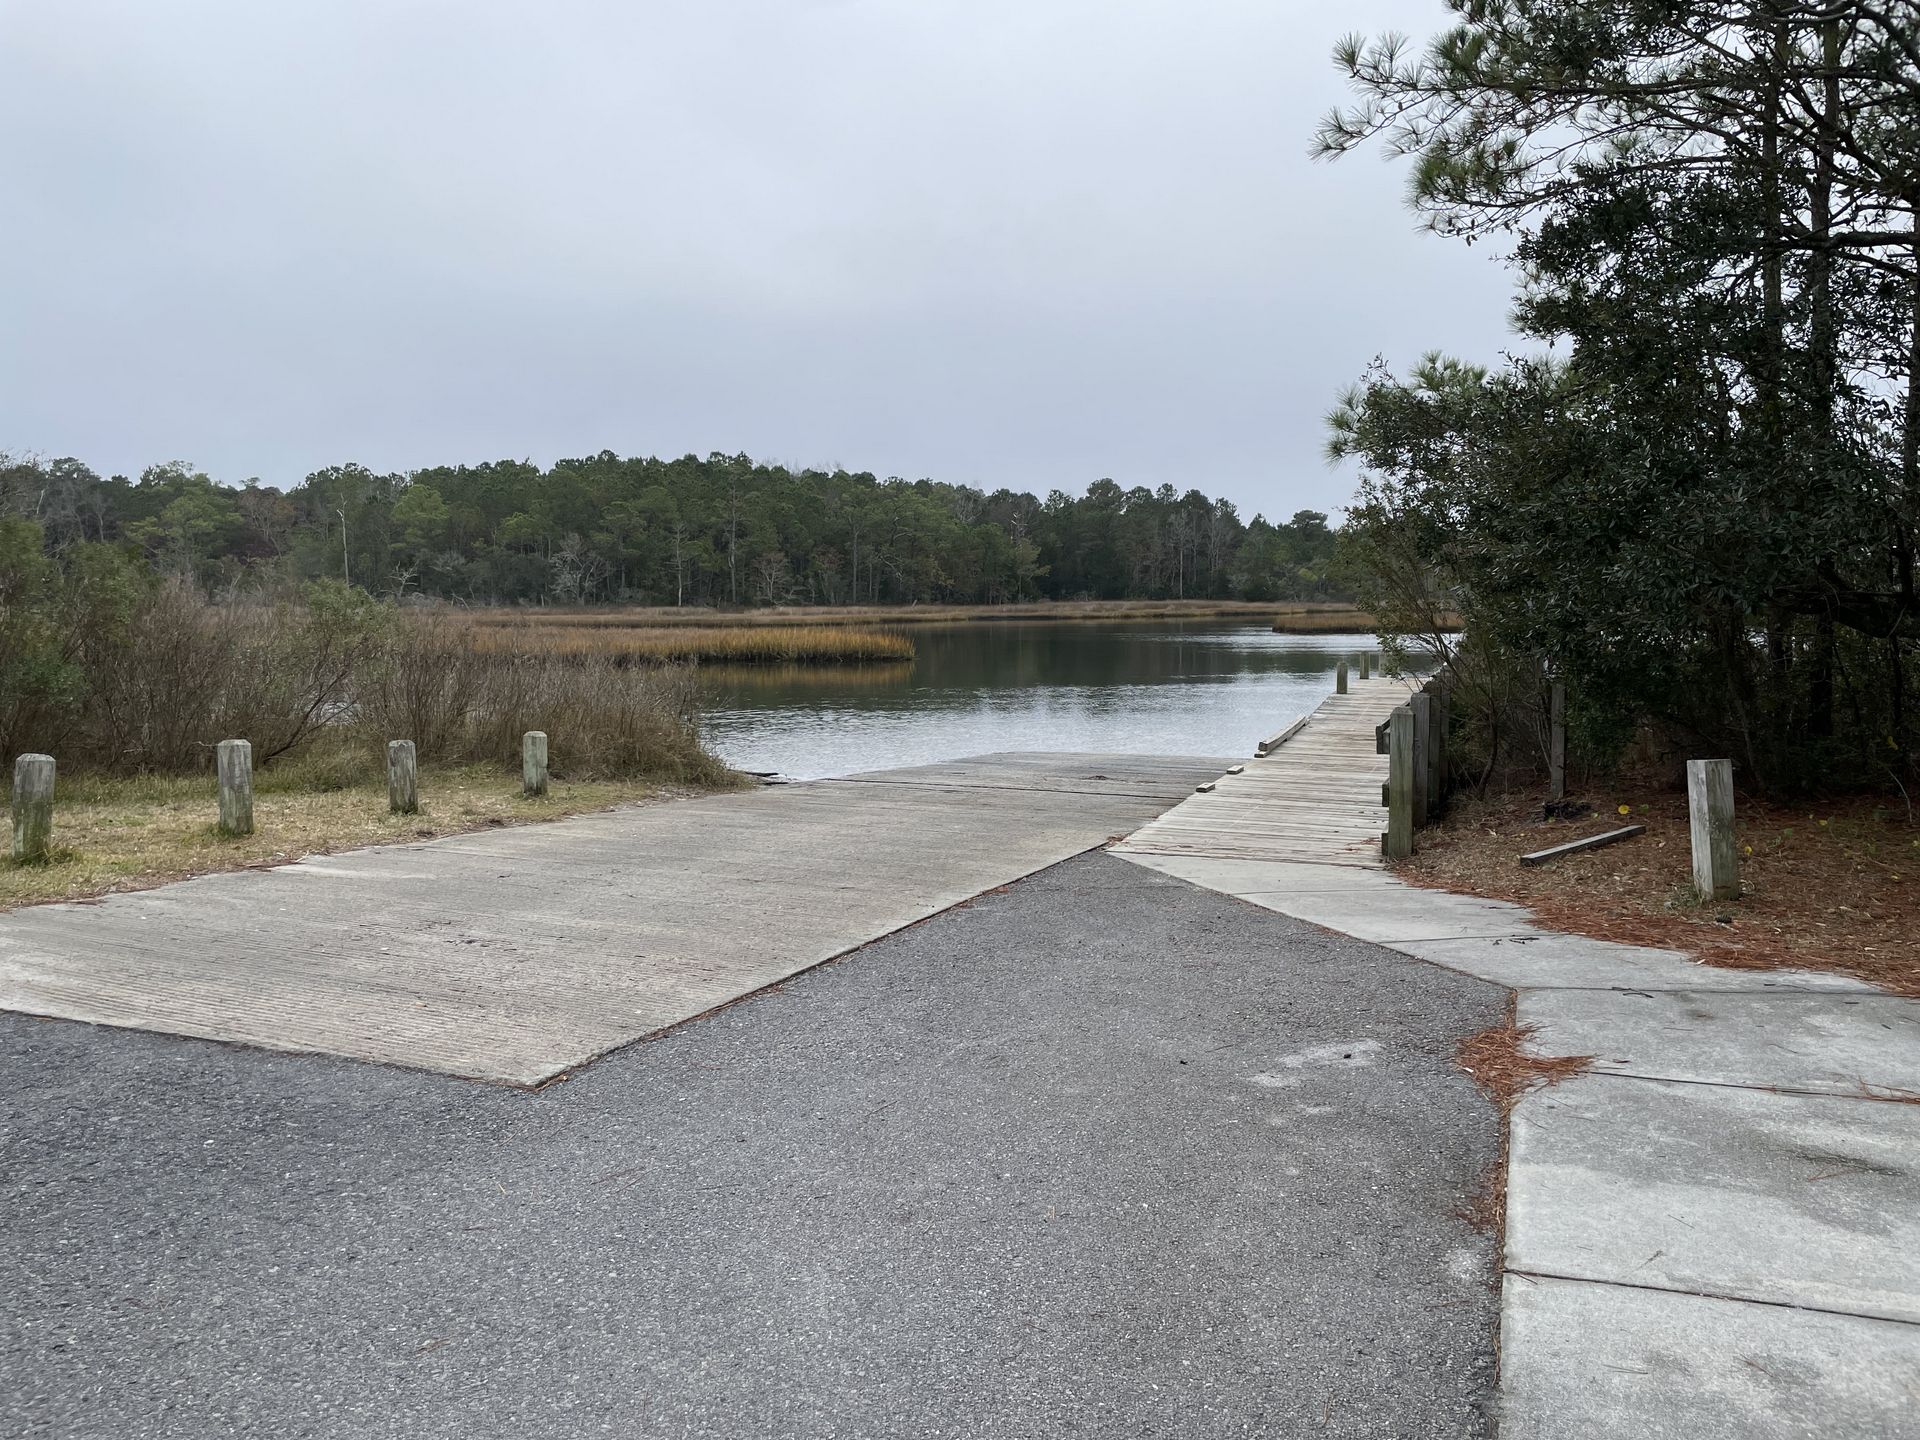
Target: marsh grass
130, 832
725, 645
669, 617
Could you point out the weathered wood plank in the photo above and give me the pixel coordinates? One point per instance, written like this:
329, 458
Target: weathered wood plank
1574, 847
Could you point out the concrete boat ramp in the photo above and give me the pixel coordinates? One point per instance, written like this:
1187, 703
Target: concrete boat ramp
514, 955
1711, 1233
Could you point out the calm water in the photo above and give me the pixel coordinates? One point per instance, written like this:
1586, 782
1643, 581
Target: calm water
1168, 688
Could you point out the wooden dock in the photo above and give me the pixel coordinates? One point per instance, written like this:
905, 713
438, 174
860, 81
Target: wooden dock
1314, 798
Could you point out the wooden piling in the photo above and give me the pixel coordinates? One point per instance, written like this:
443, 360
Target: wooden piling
1716, 860
1340, 678
1397, 843
1366, 665
32, 809
1421, 703
233, 761
533, 762
403, 778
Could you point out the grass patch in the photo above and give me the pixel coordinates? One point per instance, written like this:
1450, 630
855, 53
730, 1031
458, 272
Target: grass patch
669, 645
115, 833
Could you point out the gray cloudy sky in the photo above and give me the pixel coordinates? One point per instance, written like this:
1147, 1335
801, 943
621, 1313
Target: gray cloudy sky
1003, 242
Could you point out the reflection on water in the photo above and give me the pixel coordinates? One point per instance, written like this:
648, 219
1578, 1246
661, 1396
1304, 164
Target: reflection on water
1140, 687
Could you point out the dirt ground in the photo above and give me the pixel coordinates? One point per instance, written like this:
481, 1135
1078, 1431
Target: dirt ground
1828, 886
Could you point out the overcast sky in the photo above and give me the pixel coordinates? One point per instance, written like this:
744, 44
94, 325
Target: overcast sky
1000, 242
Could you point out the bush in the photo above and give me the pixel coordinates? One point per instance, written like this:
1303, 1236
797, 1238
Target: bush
110, 668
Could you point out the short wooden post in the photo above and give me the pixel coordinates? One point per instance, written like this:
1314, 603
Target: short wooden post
1397, 843
1716, 860
1421, 703
533, 762
233, 761
1340, 678
32, 809
403, 778
1366, 665
1557, 741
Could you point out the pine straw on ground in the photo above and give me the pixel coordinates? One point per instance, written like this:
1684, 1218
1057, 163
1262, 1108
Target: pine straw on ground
1826, 886
1500, 1064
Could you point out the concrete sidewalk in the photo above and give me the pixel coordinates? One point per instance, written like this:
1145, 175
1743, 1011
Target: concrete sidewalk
1715, 1232
1102, 1154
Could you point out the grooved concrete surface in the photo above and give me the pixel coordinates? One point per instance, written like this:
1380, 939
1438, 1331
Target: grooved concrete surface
1102, 1155
516, 954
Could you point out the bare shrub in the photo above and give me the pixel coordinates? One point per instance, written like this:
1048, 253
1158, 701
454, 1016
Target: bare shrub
603, 719
424, 685
185, 673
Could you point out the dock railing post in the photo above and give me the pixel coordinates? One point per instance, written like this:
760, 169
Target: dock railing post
1716, 860
32, 809
533, 762
1366, 665
403, 778
233, 761
1340, 678
1397, 843
1421, 703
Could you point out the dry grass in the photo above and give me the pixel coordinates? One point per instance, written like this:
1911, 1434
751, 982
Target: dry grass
668, 645
131, 833
1828, 886
658, 617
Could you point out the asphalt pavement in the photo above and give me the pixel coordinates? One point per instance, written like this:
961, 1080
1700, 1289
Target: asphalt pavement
1100, 1153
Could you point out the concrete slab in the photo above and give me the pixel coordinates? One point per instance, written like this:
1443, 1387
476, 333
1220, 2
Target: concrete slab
1608, 1362
1241, 877
1838, 1044
516, 954
1396, 915
1553, 961
1792, 1199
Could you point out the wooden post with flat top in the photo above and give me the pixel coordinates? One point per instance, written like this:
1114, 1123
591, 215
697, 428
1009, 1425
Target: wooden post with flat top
533, 762
1716, 860
403, 778
1340, 678
1421, 703
233, 761
33, 809
1397, 843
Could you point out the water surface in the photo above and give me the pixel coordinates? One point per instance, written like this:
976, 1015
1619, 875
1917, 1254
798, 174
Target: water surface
1130, 687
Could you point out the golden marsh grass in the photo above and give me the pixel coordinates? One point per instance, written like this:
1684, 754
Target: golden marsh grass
720, 645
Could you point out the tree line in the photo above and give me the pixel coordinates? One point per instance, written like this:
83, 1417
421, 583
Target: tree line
1701, 504
723, 530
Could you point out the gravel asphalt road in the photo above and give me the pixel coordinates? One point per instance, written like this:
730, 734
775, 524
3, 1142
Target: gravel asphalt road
1100, 1154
